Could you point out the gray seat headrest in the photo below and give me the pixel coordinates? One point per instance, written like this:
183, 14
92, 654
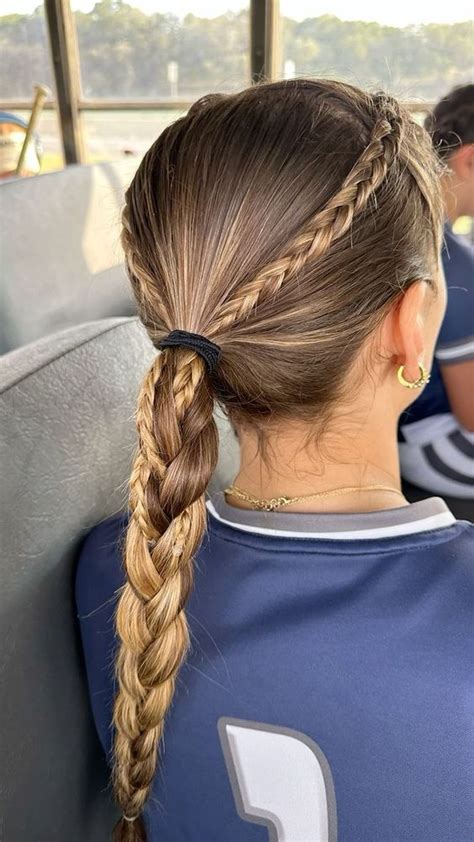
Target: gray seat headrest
62, 262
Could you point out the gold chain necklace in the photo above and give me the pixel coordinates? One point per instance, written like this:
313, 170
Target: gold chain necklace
275, 503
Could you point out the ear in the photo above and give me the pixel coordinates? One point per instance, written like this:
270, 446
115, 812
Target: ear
462, 161
403, 330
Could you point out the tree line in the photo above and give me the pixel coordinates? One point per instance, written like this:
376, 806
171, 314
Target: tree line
125, 53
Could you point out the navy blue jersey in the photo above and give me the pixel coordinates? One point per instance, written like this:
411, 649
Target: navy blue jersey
328, 693
456, 338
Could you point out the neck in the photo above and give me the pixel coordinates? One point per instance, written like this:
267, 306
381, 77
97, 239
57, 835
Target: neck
294, 465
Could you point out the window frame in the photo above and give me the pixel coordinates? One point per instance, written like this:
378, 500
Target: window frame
70, 105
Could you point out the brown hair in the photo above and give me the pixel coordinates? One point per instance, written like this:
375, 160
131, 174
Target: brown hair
281, 222
451, 123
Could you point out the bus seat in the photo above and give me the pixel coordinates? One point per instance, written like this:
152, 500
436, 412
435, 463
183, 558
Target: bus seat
66, 444
61, 258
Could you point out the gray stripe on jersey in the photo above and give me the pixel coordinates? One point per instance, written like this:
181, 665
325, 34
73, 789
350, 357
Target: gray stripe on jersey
329, 522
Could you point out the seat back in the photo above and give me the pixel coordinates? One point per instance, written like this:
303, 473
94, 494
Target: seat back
66, 444
60, 252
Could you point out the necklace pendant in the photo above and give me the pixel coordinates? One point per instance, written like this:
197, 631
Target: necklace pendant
276, 503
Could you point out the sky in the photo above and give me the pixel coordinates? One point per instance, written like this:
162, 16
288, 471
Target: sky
394, 14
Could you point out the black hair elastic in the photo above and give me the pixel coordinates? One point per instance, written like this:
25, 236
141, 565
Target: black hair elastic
195, 342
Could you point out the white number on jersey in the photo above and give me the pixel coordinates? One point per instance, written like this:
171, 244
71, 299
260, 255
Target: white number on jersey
280, 778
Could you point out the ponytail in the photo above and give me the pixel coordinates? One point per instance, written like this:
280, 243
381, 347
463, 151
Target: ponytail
177, 454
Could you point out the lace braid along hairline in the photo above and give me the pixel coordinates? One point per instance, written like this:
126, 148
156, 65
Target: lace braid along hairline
328, 224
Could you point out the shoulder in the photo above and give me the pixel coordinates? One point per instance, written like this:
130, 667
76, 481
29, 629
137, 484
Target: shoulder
99, 572
464, 542
466, 537
458, 554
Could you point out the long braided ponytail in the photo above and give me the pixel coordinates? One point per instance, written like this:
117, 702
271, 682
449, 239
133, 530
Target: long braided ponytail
249, 221
176, 457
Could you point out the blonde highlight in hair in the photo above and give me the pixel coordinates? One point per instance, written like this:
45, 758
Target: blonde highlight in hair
281, 222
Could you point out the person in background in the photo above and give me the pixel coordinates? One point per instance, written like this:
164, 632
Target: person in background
437, 432
283, 244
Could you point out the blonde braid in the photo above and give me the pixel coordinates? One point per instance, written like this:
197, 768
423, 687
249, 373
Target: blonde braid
328, 224
167, 521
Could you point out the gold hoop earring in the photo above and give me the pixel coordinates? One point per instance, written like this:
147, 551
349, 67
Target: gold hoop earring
413, 384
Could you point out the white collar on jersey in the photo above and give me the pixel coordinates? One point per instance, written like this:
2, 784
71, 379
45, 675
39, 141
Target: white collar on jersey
423, 516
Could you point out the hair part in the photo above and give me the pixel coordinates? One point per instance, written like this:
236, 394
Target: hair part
281, 222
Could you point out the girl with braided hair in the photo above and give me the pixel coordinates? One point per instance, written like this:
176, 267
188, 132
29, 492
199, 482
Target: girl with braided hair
437, 433
289, 653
